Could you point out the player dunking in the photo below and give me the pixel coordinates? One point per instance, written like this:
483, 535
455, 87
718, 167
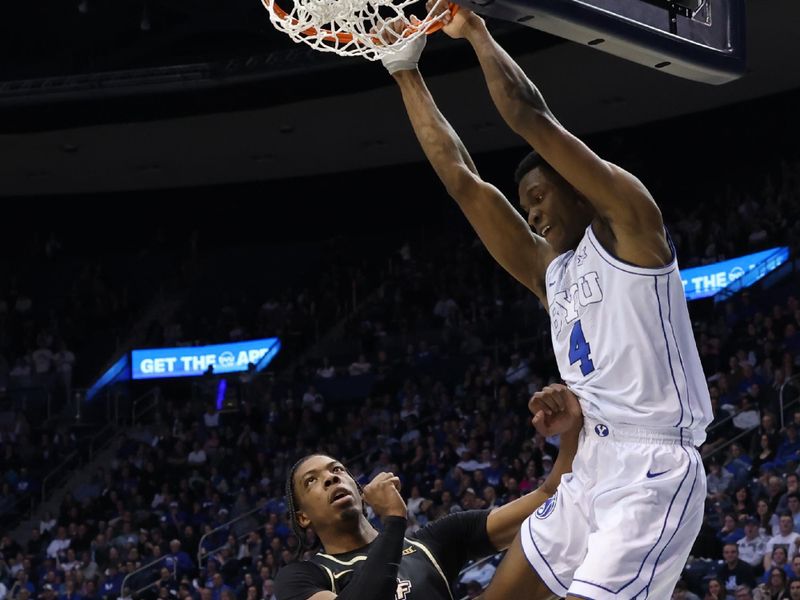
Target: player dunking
599, 259
358, 563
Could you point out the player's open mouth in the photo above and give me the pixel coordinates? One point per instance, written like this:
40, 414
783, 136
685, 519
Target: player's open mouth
545, 230
341, 496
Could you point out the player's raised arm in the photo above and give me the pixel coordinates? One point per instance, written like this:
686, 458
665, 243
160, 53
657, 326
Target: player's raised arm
500, 227
619, 198
504, 522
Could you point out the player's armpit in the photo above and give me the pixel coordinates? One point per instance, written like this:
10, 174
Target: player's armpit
504, 232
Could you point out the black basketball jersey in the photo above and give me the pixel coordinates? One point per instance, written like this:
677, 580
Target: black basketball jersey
430, 561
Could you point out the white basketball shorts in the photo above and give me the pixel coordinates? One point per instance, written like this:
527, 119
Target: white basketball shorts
621, 525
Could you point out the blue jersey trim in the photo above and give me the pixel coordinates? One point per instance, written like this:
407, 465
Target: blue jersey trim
669, 354
547, 564
680, 520
627, 267
680, 358
660, 535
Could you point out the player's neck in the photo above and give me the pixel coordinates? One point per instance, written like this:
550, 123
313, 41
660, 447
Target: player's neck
347, 538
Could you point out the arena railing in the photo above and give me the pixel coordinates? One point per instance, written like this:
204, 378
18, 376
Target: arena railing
793, 382
204, 555
151, 566
475, 565
152, 396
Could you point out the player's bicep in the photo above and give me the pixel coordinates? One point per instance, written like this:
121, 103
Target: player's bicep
504, 232
614, 193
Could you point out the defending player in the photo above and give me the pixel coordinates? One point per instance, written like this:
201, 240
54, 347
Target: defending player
600, 260
359, 563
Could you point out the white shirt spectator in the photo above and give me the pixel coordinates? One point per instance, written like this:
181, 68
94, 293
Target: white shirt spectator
469, 465
64, 360
359, 367
42, 360
22, 368
68, 566
483, 574
58, 545
326, 372
45, 526
211, 419
747, 419
752, 551
197, 457
413, 505
784, 540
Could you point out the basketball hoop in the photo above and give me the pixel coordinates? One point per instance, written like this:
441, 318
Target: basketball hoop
354, 27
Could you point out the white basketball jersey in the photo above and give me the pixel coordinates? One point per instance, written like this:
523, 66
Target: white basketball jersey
623, 341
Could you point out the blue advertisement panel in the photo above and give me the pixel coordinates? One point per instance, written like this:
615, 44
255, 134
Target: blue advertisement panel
708, 280
195, 360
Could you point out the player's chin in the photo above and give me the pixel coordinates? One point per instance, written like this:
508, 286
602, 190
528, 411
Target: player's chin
349, 513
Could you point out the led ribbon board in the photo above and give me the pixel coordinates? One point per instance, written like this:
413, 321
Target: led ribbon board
708, 280
160, 363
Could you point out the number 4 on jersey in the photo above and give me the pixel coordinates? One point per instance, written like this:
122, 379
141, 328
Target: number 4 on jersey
579, 349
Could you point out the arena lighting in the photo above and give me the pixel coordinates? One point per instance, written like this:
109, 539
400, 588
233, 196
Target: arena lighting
119, 371
145, 24
195, 361
741, 272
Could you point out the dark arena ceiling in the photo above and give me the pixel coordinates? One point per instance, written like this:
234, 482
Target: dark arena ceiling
102, 95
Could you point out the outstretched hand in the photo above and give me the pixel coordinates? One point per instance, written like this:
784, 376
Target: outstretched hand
555, 410
407, 58
456, 25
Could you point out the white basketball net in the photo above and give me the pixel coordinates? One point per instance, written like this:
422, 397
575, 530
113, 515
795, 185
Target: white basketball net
345, 26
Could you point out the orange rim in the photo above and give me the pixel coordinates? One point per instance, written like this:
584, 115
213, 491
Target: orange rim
346, 38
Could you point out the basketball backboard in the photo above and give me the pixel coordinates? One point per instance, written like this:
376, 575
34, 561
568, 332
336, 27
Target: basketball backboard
703, 40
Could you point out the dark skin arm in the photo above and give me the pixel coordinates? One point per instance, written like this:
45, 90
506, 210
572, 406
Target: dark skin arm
500, 227
504, 522
628, 220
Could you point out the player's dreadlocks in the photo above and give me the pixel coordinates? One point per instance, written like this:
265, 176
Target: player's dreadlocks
291, 504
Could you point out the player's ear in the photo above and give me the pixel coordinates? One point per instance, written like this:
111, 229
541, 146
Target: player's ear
302, 519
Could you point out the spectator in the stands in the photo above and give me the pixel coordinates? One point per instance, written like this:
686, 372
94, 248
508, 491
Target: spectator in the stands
794, 589
744, 593
776, 585
778, 560
765, 453
792, 487
753, 546
715, 590
681, 592
717, 481
786, 538
737, 463
734, 572
732, 530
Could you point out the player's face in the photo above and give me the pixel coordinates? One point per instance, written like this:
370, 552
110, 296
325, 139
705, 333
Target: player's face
554, 209
325, 493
